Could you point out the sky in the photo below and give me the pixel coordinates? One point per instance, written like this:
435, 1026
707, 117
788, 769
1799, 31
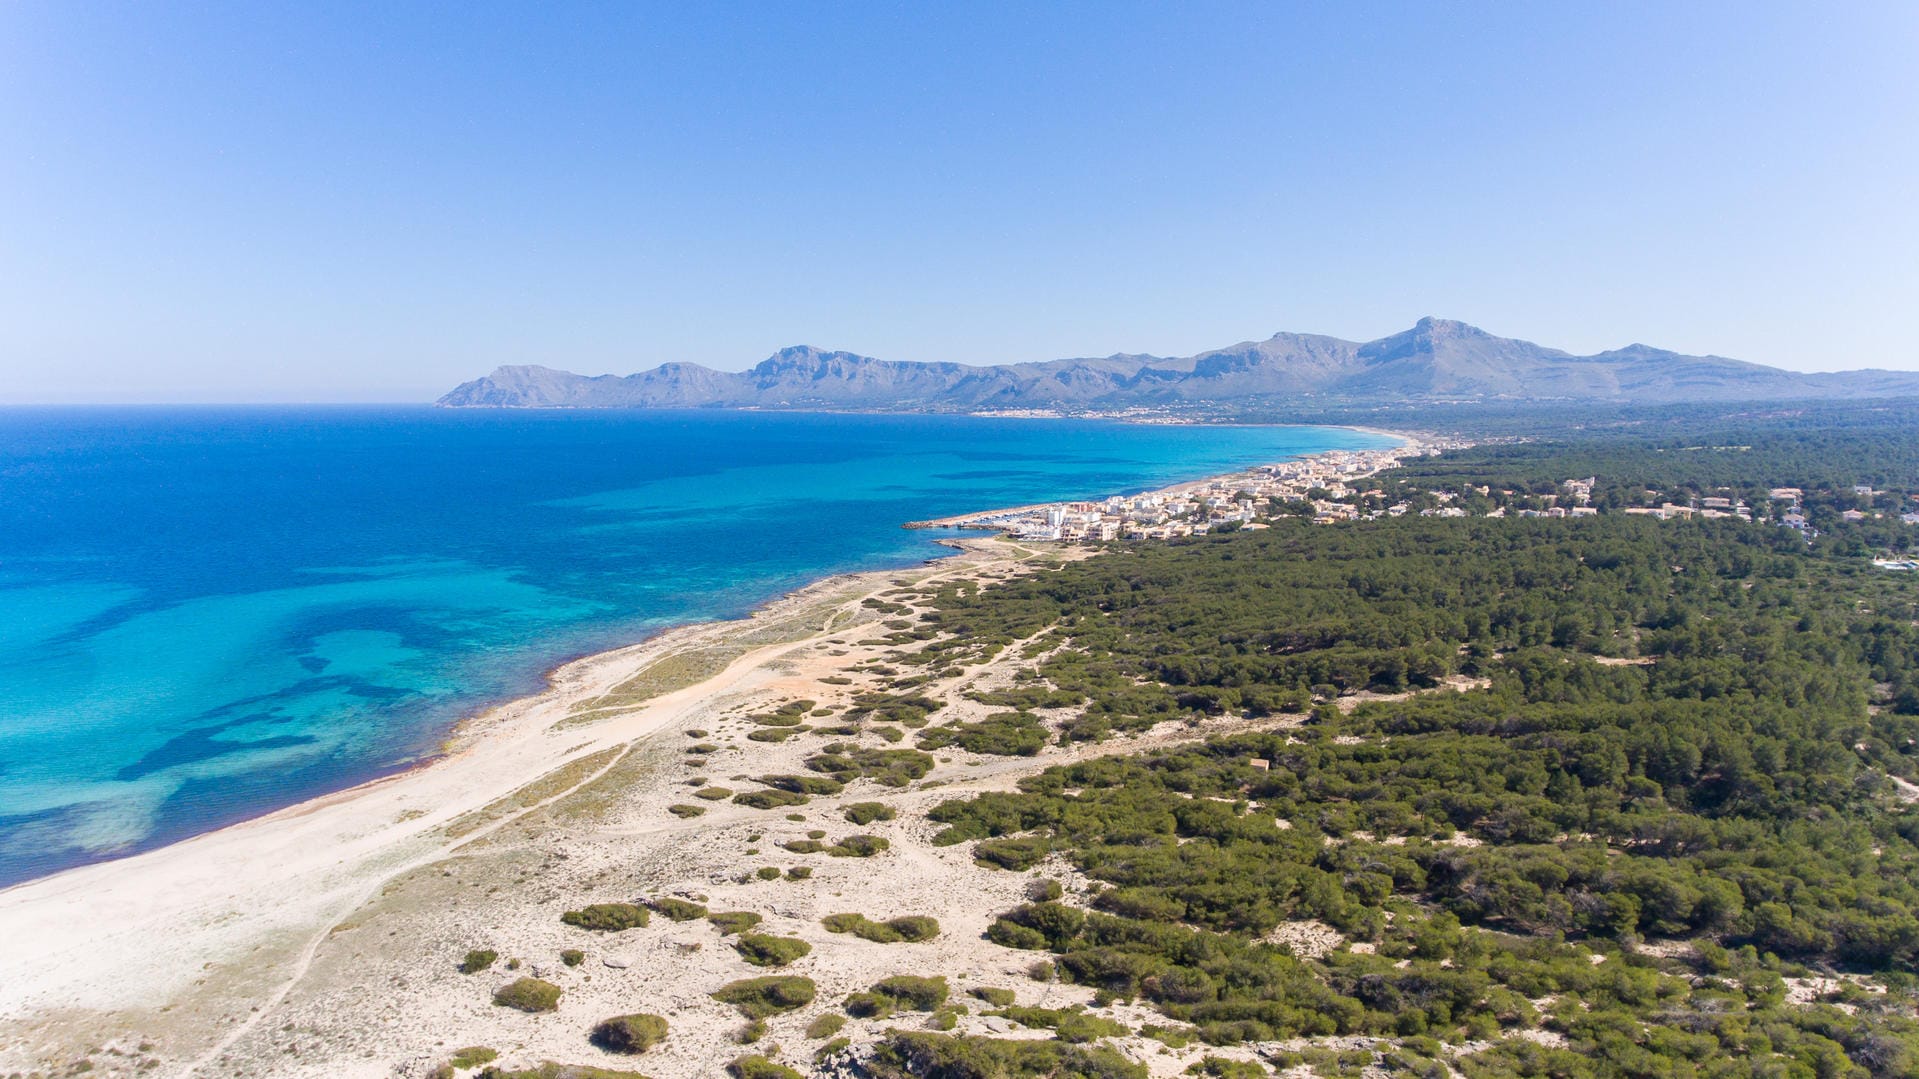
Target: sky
263, 201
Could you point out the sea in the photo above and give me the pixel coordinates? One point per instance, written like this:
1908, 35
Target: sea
210, 613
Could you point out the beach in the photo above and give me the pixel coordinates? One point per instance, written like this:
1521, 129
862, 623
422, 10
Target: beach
323, 939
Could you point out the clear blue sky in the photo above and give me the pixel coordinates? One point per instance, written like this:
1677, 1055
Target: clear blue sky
263, 201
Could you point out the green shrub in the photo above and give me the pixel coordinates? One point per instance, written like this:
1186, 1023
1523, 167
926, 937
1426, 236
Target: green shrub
804, 846
774, 734
799, 872
901, 992
528, 995
629, 1033
767, 872
572, 957
733, 921
910, 929
478, 960
825, 1026
1069, 1024
713, 794
771, 798
858, 846
1006, 734
607, 917
757, 998
911, 1053
678, 910
762, 950
1020, 853
758, 1067
803, 784
868, 812
998, 998
684, 810
473, 1056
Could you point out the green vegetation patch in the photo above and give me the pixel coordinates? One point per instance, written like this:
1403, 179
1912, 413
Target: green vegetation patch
887, 767
772, 798
758, 1067
757, 998
473, 1056
478, 960
713, 794
528, 995
908, 929
733, 921
904, 1054
763, 950
1068, 1024
674, 909
858, 846
899, 993
825, 1026
607, 917
803, 784
629, 1033
683, 809
862, 813
1005, 734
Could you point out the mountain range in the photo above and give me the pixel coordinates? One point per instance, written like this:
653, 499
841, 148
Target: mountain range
1436, 360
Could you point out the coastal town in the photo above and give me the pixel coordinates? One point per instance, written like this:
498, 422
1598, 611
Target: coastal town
1322, 485
1346, 485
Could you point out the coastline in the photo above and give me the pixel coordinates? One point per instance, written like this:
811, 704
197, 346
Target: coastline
231, 919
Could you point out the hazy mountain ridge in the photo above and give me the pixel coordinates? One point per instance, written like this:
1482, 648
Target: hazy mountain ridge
1436, 359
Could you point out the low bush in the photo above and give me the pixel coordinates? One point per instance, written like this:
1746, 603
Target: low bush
733, 921
607, 917
762, 950
825, 1026
1005, 734
473, 1056
906, 1054
1068, 1024
757, 998
804, 846
998, 998
888, 767
758, 1067
1016, 854
572, 957
478, 960
713, 794
799, 872
900, 993
771, 798
678, 910
684, 810
629, 1033
858, 846
908, 929
868, 812
528, 995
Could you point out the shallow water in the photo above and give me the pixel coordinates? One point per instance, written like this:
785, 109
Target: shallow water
206, 614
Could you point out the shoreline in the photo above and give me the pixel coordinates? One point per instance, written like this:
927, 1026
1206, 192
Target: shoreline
458, 735
219, 919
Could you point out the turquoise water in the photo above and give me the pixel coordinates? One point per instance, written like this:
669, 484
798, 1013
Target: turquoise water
206, 614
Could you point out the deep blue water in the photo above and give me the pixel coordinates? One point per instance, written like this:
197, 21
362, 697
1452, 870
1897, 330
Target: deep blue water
206, 614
